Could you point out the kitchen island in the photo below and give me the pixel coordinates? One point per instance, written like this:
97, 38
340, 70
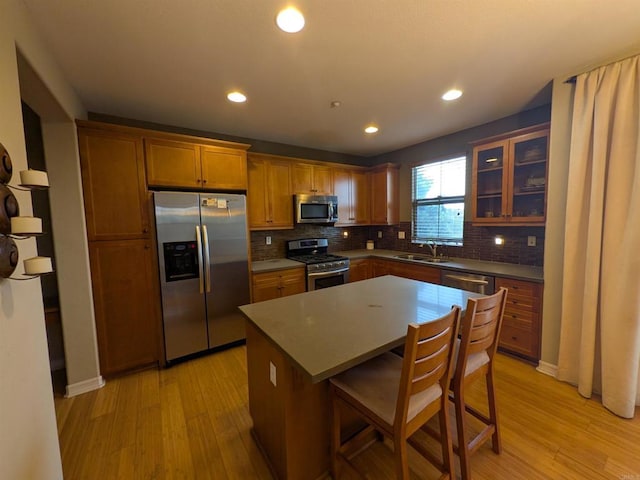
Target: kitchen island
296, 343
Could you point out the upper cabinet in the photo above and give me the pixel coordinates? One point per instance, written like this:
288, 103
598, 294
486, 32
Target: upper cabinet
312, 179
180, 164
173, 164
269, 199
384, 195
509, 178
223, 168
113, 183
351, 186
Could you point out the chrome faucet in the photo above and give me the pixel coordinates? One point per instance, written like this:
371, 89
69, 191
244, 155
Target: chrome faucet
433, 246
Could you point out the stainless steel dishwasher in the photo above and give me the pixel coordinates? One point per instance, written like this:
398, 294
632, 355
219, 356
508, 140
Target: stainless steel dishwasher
468, 281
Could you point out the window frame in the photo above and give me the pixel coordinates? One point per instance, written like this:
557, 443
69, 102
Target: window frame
438, 201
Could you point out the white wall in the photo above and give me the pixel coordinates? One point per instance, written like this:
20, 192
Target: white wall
561, 110
28, 439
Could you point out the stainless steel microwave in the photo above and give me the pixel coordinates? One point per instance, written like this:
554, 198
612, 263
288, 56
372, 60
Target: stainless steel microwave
316, 208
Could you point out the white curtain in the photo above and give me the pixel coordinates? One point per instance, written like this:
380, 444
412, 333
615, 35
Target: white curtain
600, 330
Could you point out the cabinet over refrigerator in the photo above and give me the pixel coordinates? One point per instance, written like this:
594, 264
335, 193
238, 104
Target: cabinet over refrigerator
204, 269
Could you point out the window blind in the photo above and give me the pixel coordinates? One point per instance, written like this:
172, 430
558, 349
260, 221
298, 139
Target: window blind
438, 201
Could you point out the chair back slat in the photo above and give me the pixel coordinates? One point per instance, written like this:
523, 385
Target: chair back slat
427, 364
481, 327
482, 336
429, 370
427, 359
427, 346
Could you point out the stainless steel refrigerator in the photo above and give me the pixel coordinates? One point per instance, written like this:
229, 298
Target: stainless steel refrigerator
204, 271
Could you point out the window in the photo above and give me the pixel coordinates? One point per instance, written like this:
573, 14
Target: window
438, 201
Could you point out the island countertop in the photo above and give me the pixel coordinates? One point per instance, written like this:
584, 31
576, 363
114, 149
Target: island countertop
327, 331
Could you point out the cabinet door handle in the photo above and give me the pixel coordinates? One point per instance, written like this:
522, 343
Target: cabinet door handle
204, 181
145, 230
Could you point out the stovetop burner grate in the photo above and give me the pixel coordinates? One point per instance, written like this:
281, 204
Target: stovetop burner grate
316, 258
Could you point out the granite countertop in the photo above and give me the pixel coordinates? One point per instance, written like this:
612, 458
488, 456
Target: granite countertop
507, 270
274, 264
327, 331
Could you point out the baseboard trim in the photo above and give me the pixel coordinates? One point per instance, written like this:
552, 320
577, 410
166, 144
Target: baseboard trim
84, 386
547, 368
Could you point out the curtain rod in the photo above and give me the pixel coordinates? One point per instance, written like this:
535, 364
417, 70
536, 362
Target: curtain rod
573, 78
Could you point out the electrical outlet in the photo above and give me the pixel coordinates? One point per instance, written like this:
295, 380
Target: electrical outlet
268, 240
379, 234
531, 241
401, 235
272, 374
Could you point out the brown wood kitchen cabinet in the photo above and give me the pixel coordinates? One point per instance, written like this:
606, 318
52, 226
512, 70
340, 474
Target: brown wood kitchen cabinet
124, 273
384, 190
314, 179
424, 273
269, 198
509, 177
352, 189
126, 304
276, 284
185, 164
113, 183
520, 333
359, 269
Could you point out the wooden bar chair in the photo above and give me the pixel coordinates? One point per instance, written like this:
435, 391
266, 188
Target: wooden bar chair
476, 350
396, 396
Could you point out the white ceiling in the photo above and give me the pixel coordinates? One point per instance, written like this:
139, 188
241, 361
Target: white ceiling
387, 61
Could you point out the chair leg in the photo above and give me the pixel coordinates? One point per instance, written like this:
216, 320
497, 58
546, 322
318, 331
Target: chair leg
400, 457
463, 447
445, 438
496, 441
335, 435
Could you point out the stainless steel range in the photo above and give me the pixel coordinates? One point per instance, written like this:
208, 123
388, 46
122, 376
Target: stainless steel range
323, 269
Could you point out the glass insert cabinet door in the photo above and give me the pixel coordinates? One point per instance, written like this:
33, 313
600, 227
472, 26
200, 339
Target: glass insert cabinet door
529, 172
490, 182
509, 179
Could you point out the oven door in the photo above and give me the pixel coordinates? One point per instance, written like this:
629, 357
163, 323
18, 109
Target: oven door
318, 280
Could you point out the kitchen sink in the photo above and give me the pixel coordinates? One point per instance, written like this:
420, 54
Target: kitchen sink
420, 258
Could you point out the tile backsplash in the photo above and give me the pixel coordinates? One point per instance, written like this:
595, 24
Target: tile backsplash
478, 242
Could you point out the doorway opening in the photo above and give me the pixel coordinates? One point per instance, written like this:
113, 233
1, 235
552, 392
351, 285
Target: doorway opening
49, 283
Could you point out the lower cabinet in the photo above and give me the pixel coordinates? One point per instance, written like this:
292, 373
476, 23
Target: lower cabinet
126, 301
359, 270
520, 333
276, 284
424, 273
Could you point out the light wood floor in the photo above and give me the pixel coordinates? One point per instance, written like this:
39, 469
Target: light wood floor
192, 422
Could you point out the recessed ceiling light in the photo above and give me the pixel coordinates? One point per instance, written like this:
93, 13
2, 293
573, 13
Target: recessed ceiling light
371, 129
290, 20
237, 97
452, 94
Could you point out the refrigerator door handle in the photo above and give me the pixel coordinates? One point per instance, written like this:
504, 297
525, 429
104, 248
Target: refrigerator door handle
207, 258
199, 240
